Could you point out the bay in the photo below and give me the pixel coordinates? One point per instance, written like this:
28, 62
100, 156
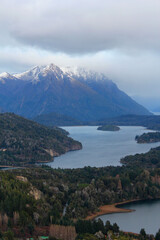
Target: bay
146, 215
101, 148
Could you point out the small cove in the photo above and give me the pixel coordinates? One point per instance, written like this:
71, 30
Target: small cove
146, 215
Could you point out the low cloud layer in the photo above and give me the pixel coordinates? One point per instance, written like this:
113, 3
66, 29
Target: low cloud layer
118, 37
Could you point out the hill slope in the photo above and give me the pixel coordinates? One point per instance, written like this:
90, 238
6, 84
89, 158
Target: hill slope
82, 95
23, 141
150, 122
57, 119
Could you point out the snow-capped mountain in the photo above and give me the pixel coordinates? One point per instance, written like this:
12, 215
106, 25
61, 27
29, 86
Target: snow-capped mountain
78, 93
35, 74
4, 76
79, 72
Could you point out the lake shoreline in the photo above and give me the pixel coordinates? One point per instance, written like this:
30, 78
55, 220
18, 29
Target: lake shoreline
112, 208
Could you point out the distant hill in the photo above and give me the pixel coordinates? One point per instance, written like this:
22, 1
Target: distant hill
77, 93
23, 141
150, 122
57, 119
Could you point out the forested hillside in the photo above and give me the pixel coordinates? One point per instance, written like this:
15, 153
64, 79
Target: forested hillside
23, 141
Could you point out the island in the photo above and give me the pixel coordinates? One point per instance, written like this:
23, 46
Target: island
108, 128
149, 137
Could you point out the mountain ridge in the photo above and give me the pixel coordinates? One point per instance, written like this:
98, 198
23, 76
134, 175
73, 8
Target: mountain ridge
81, 94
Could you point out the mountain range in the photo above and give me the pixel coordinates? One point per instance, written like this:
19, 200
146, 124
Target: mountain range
77, 93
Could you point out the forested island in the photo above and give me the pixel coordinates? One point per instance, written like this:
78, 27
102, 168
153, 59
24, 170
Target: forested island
26, 142
149, 137
108, 128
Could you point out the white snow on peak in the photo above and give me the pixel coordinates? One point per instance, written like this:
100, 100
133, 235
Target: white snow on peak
50, 69
30, 75
4, 76
84, 73
35, 73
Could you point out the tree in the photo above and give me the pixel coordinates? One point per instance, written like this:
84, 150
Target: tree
115, 228
157, 236
108, 226
143, 234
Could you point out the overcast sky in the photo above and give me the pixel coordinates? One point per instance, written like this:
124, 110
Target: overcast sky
120, 38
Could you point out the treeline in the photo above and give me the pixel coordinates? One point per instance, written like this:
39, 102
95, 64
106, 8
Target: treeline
94, 230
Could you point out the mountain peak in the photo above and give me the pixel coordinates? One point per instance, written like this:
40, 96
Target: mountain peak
51, 69
5, 75
33, 75
75, 92
30, 75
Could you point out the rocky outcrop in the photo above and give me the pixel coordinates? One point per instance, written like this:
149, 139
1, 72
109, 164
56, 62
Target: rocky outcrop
156, 179
37, 194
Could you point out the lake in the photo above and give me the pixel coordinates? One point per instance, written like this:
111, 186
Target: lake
101, 148
147, 216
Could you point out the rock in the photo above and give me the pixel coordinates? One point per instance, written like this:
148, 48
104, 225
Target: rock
99, 235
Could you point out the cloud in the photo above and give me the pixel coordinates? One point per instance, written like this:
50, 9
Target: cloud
118, 37
83, 26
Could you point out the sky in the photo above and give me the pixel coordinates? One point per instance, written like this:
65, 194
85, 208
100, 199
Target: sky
120, 38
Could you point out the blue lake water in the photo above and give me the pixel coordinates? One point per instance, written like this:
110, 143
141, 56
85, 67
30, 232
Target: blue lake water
146, 215
101, 148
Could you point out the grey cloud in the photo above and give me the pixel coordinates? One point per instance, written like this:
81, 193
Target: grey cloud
118, 37
85, 26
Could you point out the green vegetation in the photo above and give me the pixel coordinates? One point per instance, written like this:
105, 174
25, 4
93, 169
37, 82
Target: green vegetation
109, 128
94, 230
150, 159
148, 137
83, 191
23, 141
36, 197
